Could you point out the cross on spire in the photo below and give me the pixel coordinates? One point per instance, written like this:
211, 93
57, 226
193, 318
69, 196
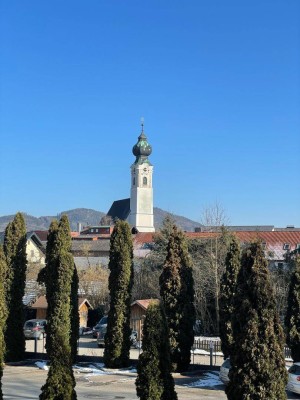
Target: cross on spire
142, 123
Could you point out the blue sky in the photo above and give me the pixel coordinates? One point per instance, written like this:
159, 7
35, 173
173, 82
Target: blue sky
218, 83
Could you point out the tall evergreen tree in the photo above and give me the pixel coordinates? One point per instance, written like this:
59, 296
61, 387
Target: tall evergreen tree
3, 314
117, 338
154, 379
15, 252
186, 303
74, 335
292, 318
58, 275
258, 368
177, 292
227, 292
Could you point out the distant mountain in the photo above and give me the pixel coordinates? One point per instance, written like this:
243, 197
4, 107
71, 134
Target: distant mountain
182, 222
85, 217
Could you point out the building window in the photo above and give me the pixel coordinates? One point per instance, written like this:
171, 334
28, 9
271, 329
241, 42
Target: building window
286, 246
133, 182
92, 230
32, 253
144, 181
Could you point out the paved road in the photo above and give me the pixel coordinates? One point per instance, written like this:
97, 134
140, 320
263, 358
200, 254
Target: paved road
24, 383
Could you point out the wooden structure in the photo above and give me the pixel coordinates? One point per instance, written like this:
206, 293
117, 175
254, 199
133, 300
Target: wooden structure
138, 314
84, 305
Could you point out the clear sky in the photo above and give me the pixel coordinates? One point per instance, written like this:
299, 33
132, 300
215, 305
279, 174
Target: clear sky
218, 83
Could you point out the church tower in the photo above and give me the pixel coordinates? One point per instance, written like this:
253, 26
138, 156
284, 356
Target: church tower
141, 195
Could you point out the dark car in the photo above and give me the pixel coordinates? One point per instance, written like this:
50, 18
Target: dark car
34, 328
99, 326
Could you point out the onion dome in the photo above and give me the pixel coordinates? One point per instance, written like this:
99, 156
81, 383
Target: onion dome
142, 149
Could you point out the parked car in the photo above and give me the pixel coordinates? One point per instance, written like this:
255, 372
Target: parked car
293, 384
224, 371
34, 328
101, 337
100, 325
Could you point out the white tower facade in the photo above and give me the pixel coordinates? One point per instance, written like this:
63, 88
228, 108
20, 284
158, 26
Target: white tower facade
141, 194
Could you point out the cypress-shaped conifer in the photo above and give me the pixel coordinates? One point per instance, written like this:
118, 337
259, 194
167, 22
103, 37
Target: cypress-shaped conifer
186, 304
177, 292
117, 338
3, 314
15, 252
227, 292
154, 379
58, 275
257, 358
74, 336
292, 318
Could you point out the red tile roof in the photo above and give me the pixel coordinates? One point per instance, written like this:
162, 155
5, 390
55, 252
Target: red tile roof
272, 238
145, 303
143, 237
75, 234
41, 302
42, 235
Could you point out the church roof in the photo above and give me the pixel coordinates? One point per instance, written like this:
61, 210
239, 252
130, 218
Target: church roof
119, 209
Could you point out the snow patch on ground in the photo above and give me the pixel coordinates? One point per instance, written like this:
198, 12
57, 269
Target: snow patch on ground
42, 365
206, 353
99, 369
208, 379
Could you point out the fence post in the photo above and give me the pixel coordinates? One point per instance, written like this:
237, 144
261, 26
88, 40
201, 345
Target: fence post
35, 344
211, 348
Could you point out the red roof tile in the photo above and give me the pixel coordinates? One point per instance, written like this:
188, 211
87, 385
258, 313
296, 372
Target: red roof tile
145, 303
272, 238
41, 302
144, 237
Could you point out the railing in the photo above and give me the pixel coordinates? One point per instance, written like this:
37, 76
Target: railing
209, 352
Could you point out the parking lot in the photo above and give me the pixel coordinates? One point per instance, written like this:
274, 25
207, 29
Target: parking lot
88, 347
112, 385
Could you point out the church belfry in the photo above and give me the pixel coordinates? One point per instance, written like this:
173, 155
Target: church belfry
141, 194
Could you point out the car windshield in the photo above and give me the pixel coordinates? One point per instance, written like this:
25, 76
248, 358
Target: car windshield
295, 370
226, 364
29, 324
103, 320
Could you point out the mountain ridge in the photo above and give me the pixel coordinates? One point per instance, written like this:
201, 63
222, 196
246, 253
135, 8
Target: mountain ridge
90, 217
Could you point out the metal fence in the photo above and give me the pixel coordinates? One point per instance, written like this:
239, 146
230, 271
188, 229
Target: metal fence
209, 352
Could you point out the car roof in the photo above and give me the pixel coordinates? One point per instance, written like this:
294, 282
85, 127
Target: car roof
35, 320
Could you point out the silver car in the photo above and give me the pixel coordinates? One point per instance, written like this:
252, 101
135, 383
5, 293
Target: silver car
293, 384
224, 371
34, 328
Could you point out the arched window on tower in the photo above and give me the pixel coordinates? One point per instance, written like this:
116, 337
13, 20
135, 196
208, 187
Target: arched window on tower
145, 181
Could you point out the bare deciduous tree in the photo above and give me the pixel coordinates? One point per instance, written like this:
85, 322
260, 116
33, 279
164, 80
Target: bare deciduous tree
93, 283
